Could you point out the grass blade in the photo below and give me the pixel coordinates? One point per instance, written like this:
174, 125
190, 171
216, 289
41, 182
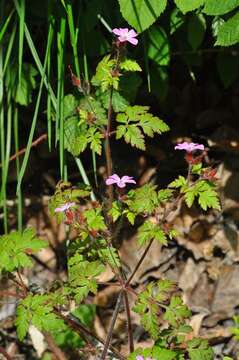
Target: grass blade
61, 36
5, 25
34, 120
19, 194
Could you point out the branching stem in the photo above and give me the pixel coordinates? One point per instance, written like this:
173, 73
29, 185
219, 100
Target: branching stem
112, 325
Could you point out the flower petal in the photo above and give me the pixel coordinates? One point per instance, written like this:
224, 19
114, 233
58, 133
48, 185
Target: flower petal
133, 41
128, 179
121, 184
115, 177
110, 181
116, 31
132, 33
64, 207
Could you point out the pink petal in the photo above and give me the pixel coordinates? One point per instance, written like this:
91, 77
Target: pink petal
115, 177
64, 207
110, 181
117, 31
121, 184
200, 147
124, 31
122, 38
132, 33
128, 179
131, 181
133, 41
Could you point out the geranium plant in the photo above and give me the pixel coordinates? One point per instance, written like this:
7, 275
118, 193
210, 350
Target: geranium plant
100, 113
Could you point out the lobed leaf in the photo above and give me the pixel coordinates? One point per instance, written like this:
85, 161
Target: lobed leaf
16, 248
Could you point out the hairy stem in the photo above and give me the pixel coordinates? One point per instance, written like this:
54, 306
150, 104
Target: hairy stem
112, 325
79, 328
129, 323
139, 262
108, 149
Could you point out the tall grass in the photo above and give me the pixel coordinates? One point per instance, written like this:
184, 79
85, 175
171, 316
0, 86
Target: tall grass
17, 39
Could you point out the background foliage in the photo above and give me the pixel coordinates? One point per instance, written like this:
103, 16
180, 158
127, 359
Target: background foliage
39, 40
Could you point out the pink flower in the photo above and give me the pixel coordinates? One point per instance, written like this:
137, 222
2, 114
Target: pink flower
140, 357
64, 207
189, 147
126, 35
120, 182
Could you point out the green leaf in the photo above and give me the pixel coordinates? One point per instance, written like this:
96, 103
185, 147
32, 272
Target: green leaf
82, 276
148, 304
217, 22
130, 216
104, 75
135, 137
209, 199
130, 65
149, 231
94, 219
196, 30
140, 14
158, 50
74, 142
22, 322
70, 104
108, 254
219, 7
120, 131
164, 195
163, 354
94, 137
16, 248
207, 196
75, 137
177, 312
188, 5
199, 350
228, 33
119, 103
178, 183
22, 91
140, 117
85, 313
176, 20
39, 310
93, 108
197, 169
143, 199
116, 210
152, 124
